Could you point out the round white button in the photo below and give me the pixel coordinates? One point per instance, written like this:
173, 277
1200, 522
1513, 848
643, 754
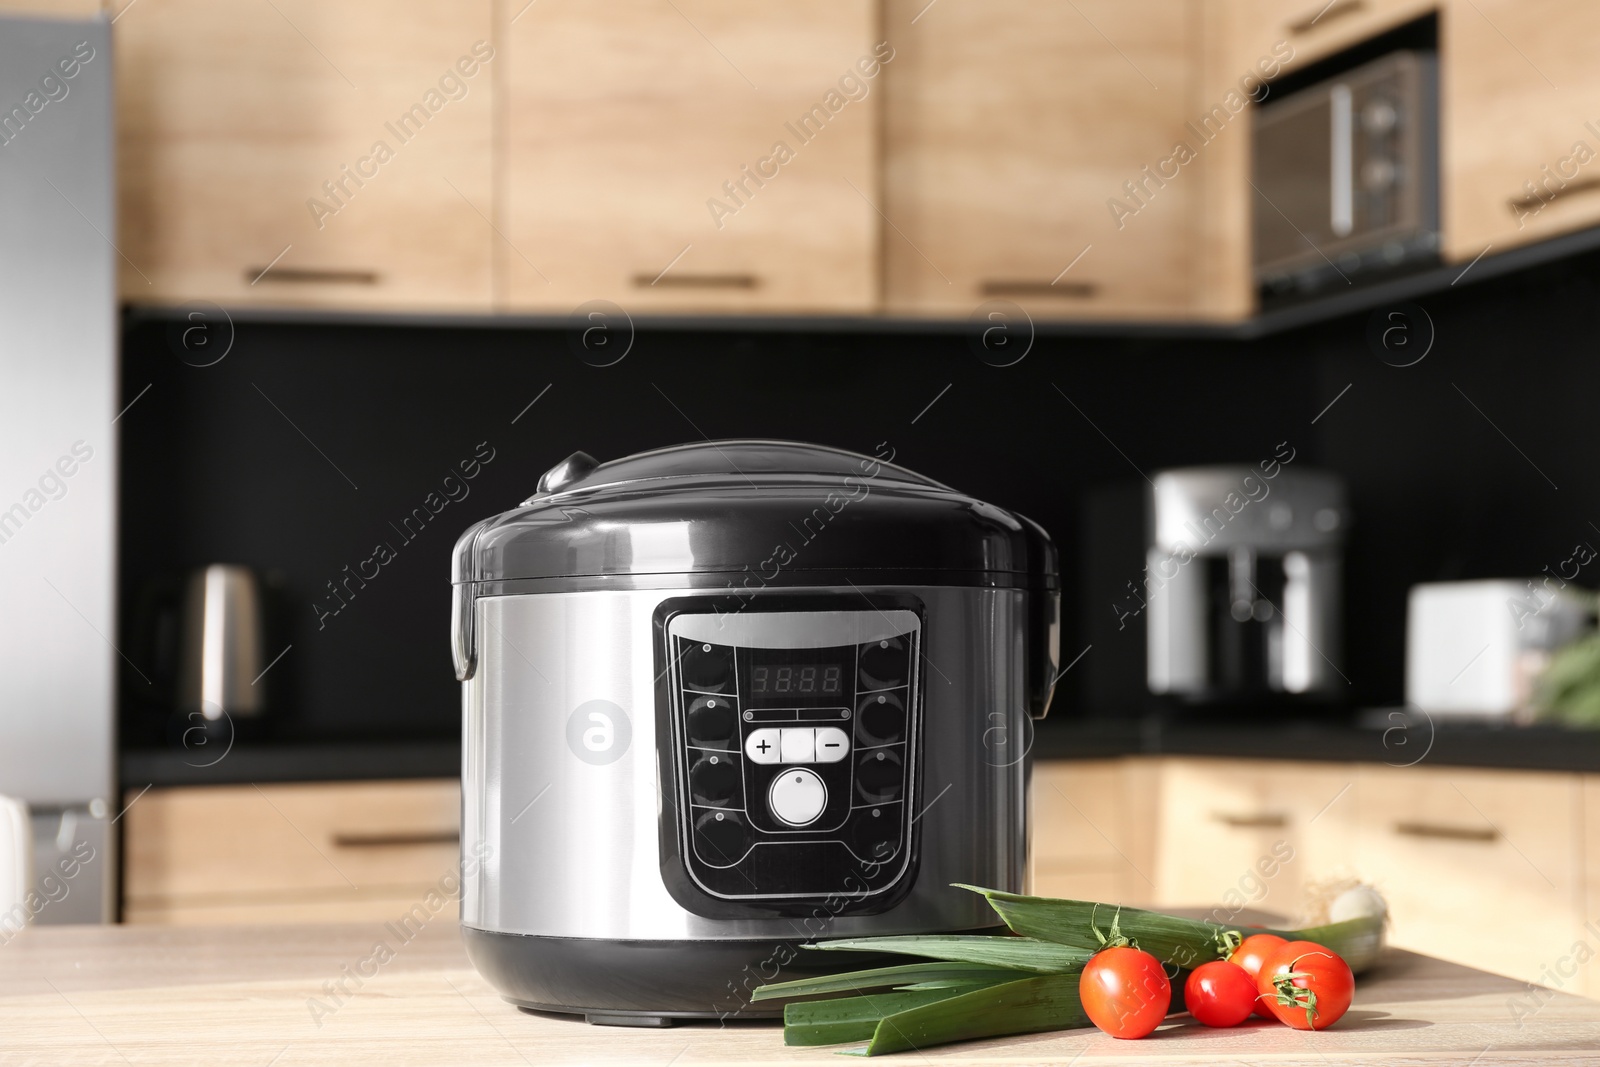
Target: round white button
797, 796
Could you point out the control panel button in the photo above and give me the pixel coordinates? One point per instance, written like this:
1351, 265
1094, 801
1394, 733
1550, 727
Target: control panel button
880, 719
721, 839
799, 744
877, 834
878, 777
797, 797
833, 744
762, 746
708, 668
711, 722
714, 780
884, 663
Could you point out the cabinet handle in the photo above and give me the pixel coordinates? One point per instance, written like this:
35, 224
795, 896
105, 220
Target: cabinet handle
1019, 287
696, 281
1264, 820
399, 838
1337, 9
1447, 833
1585, 185
310, 274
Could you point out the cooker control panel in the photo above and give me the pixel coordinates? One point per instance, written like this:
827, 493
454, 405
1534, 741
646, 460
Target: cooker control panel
796, 737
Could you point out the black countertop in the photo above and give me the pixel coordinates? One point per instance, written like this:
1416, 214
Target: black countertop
1391, 737
292, 762
1375, 737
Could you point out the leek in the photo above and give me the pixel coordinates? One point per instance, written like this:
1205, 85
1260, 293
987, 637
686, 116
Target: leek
974, 986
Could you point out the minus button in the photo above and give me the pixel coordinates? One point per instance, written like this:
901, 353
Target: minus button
833, 744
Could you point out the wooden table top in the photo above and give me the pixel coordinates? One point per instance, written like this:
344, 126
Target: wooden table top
218, 996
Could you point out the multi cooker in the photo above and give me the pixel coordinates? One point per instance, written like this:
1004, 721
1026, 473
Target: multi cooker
723, 699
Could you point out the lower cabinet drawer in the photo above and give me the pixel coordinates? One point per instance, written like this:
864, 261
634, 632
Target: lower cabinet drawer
292, 853
1238, 834
1480, 867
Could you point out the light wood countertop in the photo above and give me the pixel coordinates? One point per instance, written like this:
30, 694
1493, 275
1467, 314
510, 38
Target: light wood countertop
245, 995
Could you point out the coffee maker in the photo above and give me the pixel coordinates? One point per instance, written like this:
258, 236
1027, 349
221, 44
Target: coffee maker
1242, 582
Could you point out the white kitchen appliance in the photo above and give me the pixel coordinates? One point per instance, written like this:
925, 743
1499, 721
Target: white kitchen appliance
1476, 649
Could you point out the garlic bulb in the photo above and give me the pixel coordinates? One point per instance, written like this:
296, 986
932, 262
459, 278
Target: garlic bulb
1357, 902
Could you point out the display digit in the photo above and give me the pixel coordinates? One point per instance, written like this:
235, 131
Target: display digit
759, 683
830, 680
808, 679
784, 681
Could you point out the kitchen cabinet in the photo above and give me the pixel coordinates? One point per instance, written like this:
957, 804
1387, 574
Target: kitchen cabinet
291, 853
1590, 934
1092, 834
1315, 29
1022, 147
1520, 122
307, 155
692, 155
53, 9
1495, 869
1458, 852
1239, 834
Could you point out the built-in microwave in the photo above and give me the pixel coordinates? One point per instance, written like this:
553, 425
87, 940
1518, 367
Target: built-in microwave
1345, 174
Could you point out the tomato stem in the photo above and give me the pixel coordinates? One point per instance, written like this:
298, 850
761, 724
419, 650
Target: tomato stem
1115, 938
1293, 996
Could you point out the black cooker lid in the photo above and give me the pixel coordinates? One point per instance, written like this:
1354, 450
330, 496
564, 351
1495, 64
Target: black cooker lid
766, 507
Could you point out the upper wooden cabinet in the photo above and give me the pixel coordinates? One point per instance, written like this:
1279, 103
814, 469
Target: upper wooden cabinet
692, 154
55, 9
1313, 29
1088, 160
1012, 128
1520, 122
345, 146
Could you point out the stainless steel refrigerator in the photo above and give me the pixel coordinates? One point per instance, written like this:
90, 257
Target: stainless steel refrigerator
58, 457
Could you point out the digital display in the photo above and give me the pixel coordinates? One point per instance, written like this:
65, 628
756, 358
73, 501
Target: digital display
797, 679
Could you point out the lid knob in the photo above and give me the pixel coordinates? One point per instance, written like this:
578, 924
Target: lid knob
569, 470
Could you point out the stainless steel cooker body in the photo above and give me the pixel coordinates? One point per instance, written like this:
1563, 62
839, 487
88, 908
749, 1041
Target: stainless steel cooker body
563, 790
674, 777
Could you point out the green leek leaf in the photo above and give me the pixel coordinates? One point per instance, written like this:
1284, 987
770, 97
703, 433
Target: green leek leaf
904, 976
1019, 953
1028, 1006
828, 1022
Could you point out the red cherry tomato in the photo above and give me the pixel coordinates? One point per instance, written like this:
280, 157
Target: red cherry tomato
1220, 993
1124, 991
1306, 986
1251, 954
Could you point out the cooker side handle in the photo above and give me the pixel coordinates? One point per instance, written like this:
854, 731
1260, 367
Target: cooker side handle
1044, 648
462, 649
1044, 617
463, 594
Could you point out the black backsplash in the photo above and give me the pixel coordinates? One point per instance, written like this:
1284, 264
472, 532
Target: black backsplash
308, 445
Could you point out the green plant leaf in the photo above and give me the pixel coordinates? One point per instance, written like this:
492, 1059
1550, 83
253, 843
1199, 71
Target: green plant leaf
829, 1022
1028, 1006
904, 976
1185, 943
1175, 941
1019, 953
